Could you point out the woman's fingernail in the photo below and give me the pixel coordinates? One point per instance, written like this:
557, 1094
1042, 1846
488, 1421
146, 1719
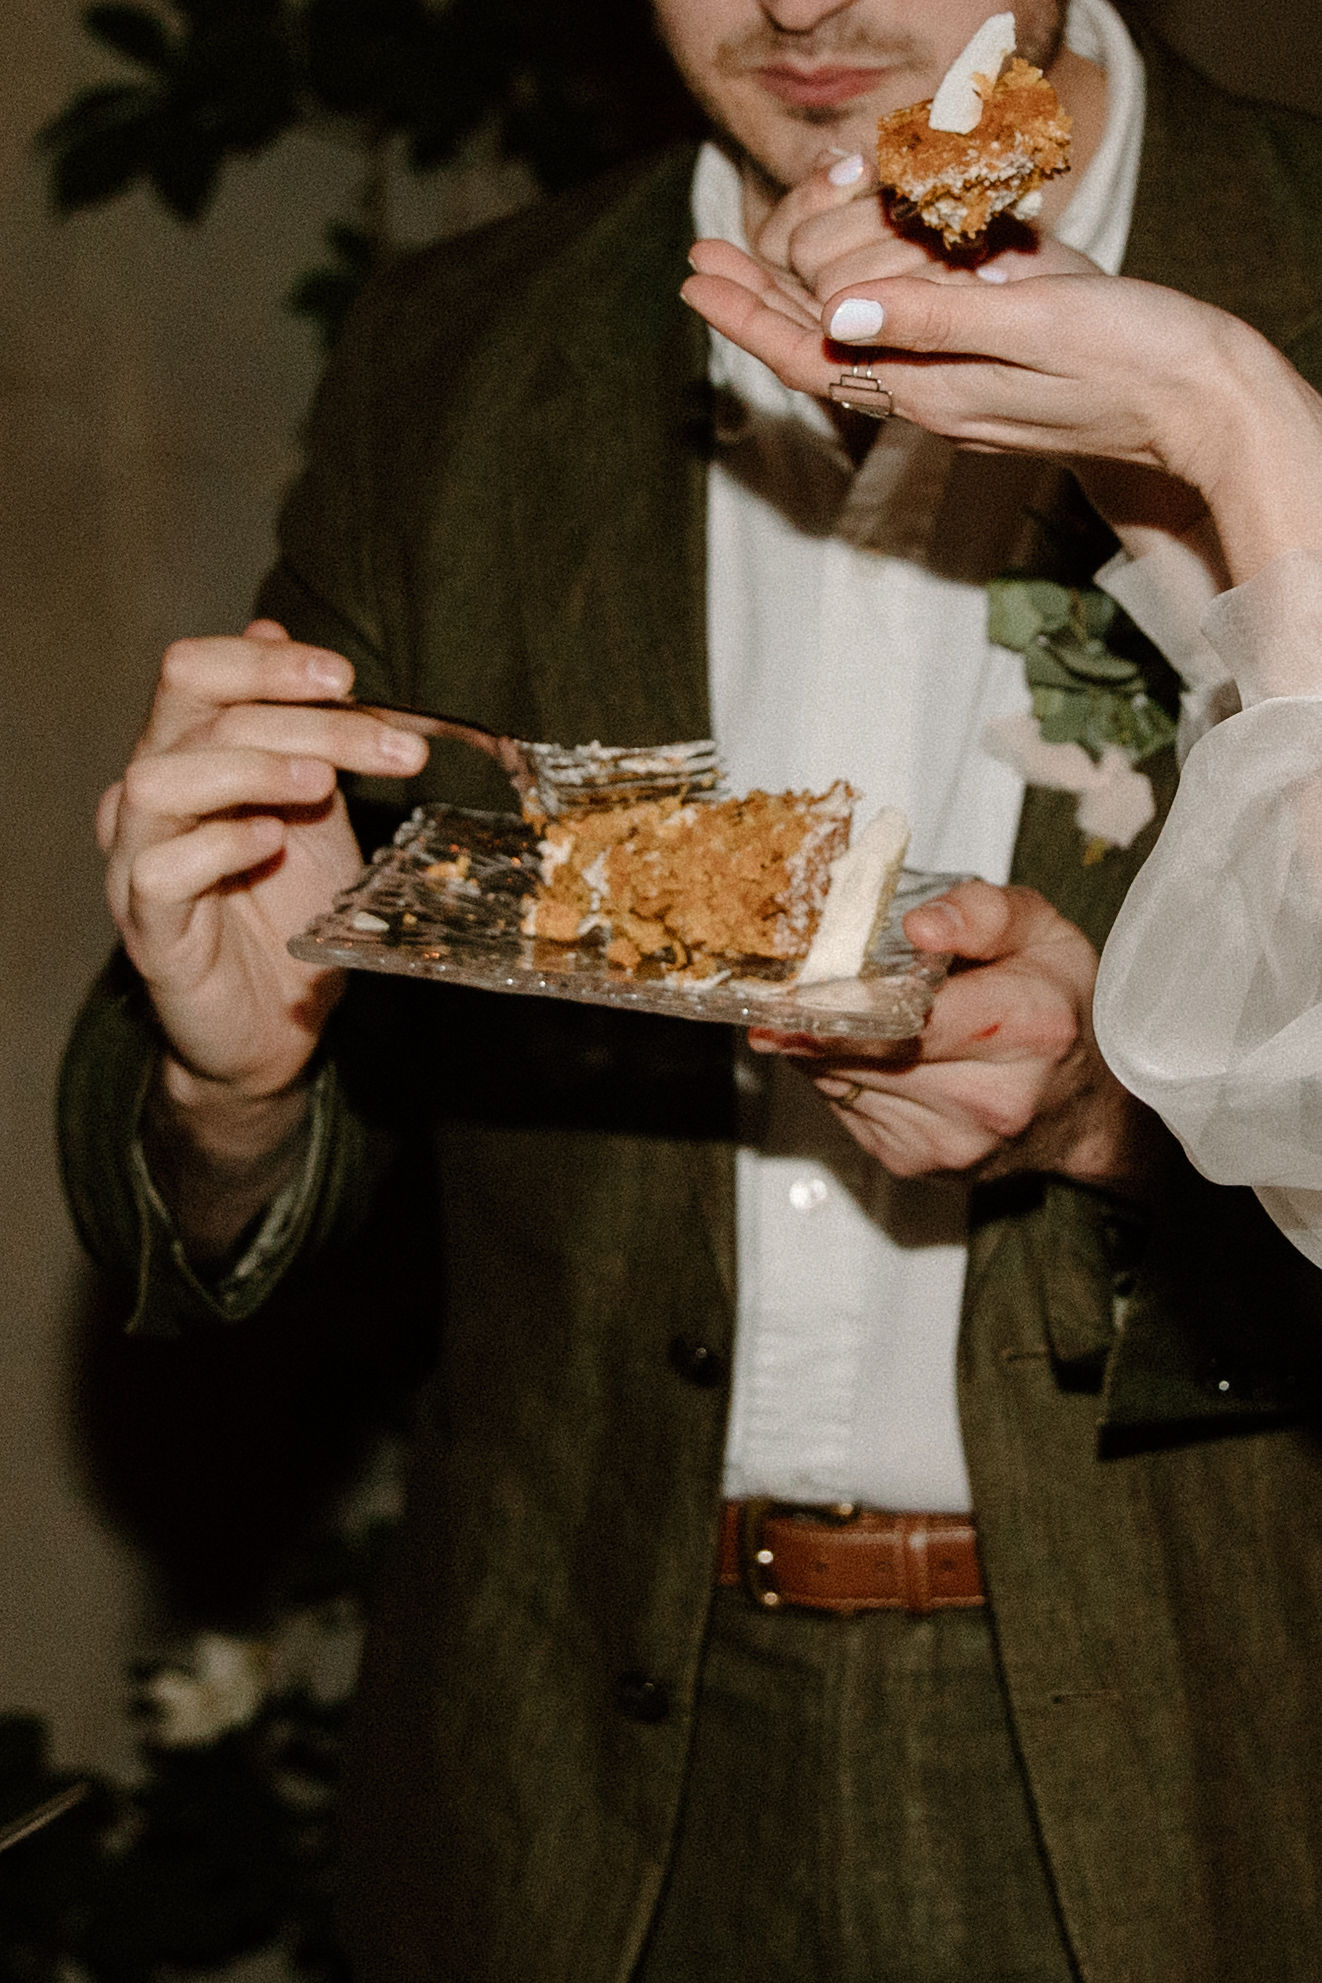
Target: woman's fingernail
856, 321
988, 272
848, 170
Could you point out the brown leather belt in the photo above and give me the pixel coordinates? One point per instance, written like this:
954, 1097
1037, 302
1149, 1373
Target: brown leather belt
849, 1559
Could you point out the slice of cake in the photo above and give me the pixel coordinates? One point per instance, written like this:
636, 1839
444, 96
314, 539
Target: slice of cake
860, 892
697, 885
985, 144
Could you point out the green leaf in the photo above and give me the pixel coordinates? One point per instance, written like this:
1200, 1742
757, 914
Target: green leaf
1095, 663
134, 32
1103, 725
1021, 609
1057, 706
1044, 666
1061, 727
1054, 604
184, 171
1099, 610
1012, 618
1151, 728
104, 141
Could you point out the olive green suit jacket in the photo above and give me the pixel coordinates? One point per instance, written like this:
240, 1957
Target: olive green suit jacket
504, 516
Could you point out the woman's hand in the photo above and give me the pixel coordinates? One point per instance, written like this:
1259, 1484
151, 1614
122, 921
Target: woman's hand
1076, 366
1052, 364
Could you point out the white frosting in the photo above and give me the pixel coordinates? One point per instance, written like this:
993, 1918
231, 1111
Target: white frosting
862, 883
957, 105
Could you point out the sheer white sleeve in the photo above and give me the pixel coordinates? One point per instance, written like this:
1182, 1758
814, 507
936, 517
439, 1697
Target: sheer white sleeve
1166, 591
1209, 998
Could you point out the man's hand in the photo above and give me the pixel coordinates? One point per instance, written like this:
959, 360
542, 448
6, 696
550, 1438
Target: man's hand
827, 241
225, 836
1007, 1076
828, 233
831, 231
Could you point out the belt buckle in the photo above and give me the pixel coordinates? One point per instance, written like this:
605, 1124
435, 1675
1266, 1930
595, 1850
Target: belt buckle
755, 1559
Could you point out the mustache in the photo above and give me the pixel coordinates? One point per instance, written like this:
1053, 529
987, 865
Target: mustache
833, 41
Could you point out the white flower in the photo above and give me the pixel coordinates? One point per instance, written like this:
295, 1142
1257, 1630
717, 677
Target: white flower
1115, 799
224, 1690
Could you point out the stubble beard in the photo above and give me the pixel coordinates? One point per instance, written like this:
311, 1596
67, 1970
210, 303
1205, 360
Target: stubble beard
842, 39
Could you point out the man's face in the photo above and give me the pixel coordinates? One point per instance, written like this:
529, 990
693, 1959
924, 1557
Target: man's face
785, 78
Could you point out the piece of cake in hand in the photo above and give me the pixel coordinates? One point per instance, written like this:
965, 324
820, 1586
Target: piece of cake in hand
697, 885
985, 144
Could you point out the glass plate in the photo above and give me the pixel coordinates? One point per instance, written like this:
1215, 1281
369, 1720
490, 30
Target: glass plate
463, 929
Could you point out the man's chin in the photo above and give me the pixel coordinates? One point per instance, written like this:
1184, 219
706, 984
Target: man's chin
781, 156
779, 166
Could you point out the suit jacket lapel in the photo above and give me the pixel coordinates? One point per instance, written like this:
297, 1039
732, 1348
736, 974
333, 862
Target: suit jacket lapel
1210, 218
615, 571
614, 615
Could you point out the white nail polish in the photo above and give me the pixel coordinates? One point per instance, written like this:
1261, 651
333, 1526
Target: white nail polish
988, 272
848, 171
856, 321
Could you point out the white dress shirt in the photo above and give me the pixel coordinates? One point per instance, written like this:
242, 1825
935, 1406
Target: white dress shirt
847, 641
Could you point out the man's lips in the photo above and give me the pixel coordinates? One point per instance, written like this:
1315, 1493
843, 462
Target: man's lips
816, 89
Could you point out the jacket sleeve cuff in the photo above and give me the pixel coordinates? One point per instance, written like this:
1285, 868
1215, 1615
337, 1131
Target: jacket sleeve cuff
119, 1214
172, 1290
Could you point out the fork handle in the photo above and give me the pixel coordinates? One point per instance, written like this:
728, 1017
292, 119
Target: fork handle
509, 754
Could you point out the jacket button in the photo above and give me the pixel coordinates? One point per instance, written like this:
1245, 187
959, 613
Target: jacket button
696, 1362
640, 1698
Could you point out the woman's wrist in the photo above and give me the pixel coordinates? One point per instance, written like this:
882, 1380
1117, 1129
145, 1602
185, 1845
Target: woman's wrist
1260, 471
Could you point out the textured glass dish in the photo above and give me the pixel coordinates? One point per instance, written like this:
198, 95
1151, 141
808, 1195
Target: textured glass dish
462, 927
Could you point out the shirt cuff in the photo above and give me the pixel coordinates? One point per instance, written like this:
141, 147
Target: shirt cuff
1268, 631
232, 1292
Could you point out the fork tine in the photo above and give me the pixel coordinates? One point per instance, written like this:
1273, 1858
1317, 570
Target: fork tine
579, 776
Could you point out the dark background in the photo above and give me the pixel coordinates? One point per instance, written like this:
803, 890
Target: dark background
151, 388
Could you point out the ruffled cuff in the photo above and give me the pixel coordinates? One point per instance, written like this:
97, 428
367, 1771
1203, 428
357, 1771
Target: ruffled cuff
1166, 592
1267, 632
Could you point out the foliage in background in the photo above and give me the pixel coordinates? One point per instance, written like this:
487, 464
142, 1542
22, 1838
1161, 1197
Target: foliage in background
225, 1844
568, 88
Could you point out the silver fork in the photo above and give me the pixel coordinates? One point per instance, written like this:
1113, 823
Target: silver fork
563, 778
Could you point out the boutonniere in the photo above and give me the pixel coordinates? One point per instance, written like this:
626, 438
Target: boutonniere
1094, 718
